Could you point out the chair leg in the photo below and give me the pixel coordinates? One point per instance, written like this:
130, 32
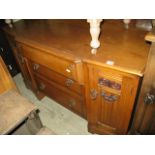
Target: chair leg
33, 122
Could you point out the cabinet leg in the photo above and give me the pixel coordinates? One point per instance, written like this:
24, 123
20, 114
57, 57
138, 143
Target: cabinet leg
90, 129
39, 95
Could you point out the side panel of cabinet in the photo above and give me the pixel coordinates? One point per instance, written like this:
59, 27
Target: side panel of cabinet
20, 60
110, 100
144, 119
24, 65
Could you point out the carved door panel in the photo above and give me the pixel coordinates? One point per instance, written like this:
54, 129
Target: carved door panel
111, 101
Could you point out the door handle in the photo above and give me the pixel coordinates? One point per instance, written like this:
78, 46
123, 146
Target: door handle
69, 82
110, 98
149, 99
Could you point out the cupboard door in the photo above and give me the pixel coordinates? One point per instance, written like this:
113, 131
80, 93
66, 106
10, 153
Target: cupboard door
111, 101
144, 119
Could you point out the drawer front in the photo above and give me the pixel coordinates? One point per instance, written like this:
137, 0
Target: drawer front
68, 99
60, 79
60, 65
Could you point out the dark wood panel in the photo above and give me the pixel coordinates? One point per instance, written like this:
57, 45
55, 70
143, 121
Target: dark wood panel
144, 120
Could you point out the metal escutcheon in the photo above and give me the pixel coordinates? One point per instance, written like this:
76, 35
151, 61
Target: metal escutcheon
93, 94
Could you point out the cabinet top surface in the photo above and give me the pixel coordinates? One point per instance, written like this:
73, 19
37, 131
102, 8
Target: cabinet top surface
126, 48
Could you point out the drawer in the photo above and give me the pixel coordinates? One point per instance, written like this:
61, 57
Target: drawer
60, 65
68, 99
60, 79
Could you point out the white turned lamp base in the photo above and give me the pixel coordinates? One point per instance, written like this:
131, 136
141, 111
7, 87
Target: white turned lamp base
95, 32
126, 22
8, 21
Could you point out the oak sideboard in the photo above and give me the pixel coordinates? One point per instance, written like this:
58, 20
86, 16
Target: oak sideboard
55, 60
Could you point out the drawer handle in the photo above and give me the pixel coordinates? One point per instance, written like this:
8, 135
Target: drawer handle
69, 82
72, 103
110, 98
93, 94
42, 86
149, 98
69, 68
35, 66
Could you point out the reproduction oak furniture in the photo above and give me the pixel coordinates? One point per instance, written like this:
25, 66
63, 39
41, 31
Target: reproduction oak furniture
55, 60
144, 120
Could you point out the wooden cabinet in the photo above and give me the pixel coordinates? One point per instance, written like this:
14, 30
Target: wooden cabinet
55, 59
65, 97
54, 76
64, 81
144, 120
111, 98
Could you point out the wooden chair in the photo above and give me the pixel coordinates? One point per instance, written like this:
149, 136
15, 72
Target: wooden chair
6, 82
15, 109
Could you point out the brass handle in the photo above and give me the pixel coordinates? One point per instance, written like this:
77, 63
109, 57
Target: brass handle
35, 66
93, 94
69, 82
72, 103
69, 68
110, 98
42, 86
